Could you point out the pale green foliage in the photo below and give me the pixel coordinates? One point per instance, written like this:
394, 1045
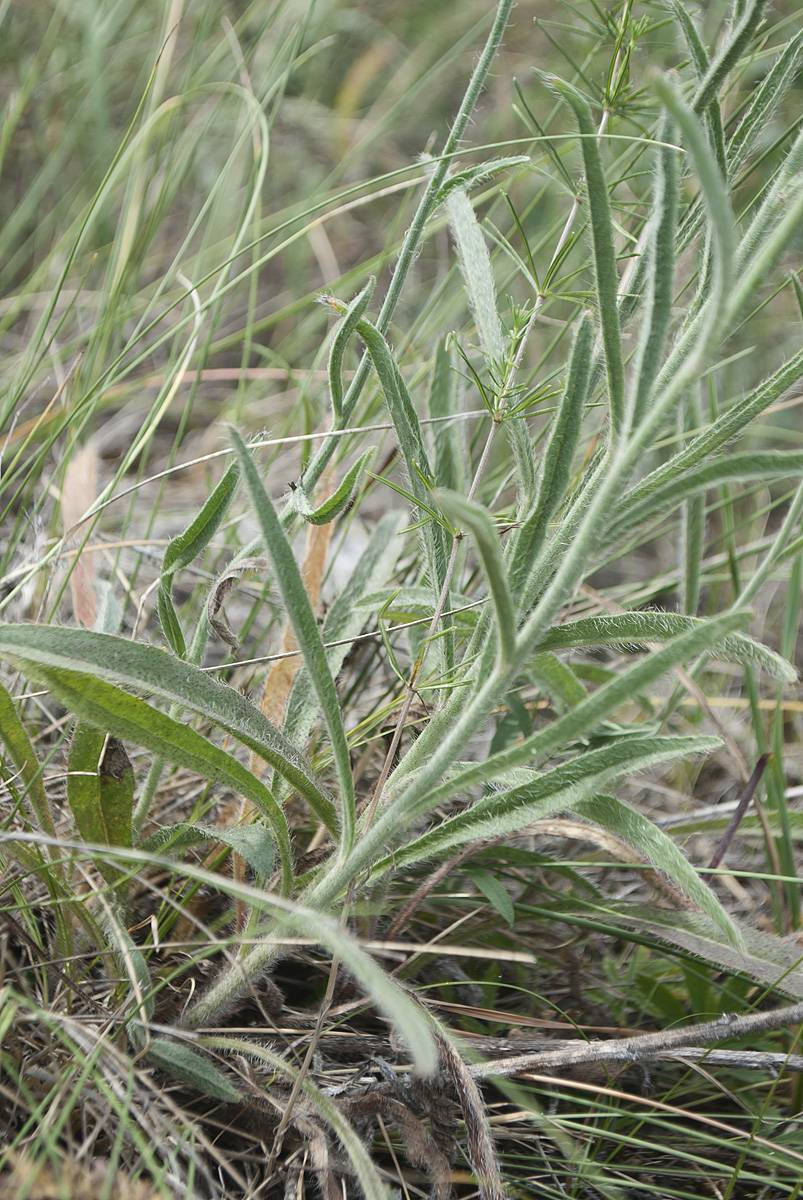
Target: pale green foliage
516, 525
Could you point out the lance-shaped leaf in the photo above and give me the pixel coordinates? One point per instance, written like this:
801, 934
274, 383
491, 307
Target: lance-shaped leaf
341, 498
729, 53
625, 822
451, 456
636, 628
100, 790
713, 186
607, 277
343, 621
584, 718
557, 462
477, 520
723, 430
356, 310
660, 285
475, 267
180, 1059
775, 963
756, 465
408, 431
254, 843
133, 720
119, 661
185, 548
764, 100
305, 626
506, 813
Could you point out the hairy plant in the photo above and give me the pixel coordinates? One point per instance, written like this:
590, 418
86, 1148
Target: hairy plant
582, 448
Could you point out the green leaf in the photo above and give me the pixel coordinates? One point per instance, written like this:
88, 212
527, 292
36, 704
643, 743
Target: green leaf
100, 791
408, 431
451, 451
713, 186
660, 286
764, 100
775, 963
494, 892
760, 465
637, 628
625, 822
478, 521
306, 628
602, 236
343, 622
254, 843
722, 431
729, 54
178, 1058
583, 719
501, 814
482, 173
340, 500
127, 717
407, 603
557, 679
557, 463
354, 312
119, 661
475, 267
185, 548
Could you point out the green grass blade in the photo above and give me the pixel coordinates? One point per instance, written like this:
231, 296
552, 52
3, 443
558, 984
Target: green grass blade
128, 664
306, 628
426, 207
23, 756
